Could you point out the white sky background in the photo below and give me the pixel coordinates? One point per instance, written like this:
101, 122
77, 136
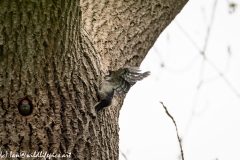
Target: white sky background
208, 118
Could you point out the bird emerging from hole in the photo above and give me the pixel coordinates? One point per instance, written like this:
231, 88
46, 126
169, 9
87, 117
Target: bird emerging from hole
121, 81
25, 107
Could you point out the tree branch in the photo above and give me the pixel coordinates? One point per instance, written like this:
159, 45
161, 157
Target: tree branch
179, 140
123, 154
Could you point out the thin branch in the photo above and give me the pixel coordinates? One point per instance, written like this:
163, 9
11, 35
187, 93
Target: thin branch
224, 78
179, 70
202, 51
124, 156
188, 36
209, 28
179, 140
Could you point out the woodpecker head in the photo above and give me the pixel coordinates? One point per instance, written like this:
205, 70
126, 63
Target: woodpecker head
25, 107
108, 77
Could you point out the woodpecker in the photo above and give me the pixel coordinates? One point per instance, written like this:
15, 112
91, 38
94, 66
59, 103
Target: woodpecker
121, 81
24, 108
105, 96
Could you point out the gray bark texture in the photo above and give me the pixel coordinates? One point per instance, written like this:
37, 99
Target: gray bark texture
54, 54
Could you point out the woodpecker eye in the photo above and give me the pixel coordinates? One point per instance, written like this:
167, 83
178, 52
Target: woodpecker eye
107, 77
107, 73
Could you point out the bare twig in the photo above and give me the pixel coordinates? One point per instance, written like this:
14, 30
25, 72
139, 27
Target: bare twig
202, 51
124, 156
179, 140
224, 78
209, 28
188, 36
178, 70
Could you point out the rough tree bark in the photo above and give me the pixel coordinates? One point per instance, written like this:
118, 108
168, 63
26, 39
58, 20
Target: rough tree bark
54, 53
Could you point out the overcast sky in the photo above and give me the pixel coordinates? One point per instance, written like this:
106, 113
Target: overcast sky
202, 95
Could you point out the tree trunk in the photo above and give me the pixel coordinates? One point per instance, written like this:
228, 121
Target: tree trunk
53, 54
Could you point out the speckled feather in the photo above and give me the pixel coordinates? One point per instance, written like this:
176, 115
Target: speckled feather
124, 78
121, 81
